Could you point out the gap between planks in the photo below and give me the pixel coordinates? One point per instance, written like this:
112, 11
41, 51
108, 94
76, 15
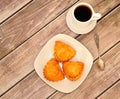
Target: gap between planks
27, 4
108, 88
25, 41
49, 97
102, 54
75, 37
36, 31
105, 15
17, 82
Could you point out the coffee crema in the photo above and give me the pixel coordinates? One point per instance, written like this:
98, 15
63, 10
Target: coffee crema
82, 13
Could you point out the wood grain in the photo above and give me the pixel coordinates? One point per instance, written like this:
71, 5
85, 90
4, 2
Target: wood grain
30, 88
25, 56
28, 21
11, 65
84, 91
105, 29
99, 5
112, 93
108, 31
8, 7
97, 81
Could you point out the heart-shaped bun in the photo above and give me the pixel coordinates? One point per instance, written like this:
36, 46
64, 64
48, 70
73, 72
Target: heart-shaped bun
73, 70
63, 52
52, 71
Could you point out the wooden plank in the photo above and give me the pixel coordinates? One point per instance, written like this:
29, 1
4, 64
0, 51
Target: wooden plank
97, 80
11, 65
112, 93
84, 91
21, 61
108, 31
31, 87
8, 7
99, 5
28, 21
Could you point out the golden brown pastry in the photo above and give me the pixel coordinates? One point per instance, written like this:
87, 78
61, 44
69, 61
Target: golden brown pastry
63, 52
52, 71
73, 70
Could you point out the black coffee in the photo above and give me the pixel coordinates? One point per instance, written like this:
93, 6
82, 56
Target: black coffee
82, 13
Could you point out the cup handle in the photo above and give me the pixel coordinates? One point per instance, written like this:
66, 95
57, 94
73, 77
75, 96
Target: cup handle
96, 16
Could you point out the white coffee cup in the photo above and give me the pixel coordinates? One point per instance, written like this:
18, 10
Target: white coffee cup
81, 18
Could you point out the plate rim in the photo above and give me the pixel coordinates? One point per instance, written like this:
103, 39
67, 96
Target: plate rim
48, 82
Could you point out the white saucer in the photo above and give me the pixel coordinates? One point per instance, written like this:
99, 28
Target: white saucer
77, 29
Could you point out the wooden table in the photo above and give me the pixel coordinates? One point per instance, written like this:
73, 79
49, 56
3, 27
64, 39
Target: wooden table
26, 26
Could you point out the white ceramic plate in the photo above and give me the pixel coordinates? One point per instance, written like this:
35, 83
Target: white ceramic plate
82, 54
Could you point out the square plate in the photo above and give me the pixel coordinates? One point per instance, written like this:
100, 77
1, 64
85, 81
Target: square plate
46, 53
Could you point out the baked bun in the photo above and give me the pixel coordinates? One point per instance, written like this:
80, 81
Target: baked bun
73, 70
63, 52
52, 71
